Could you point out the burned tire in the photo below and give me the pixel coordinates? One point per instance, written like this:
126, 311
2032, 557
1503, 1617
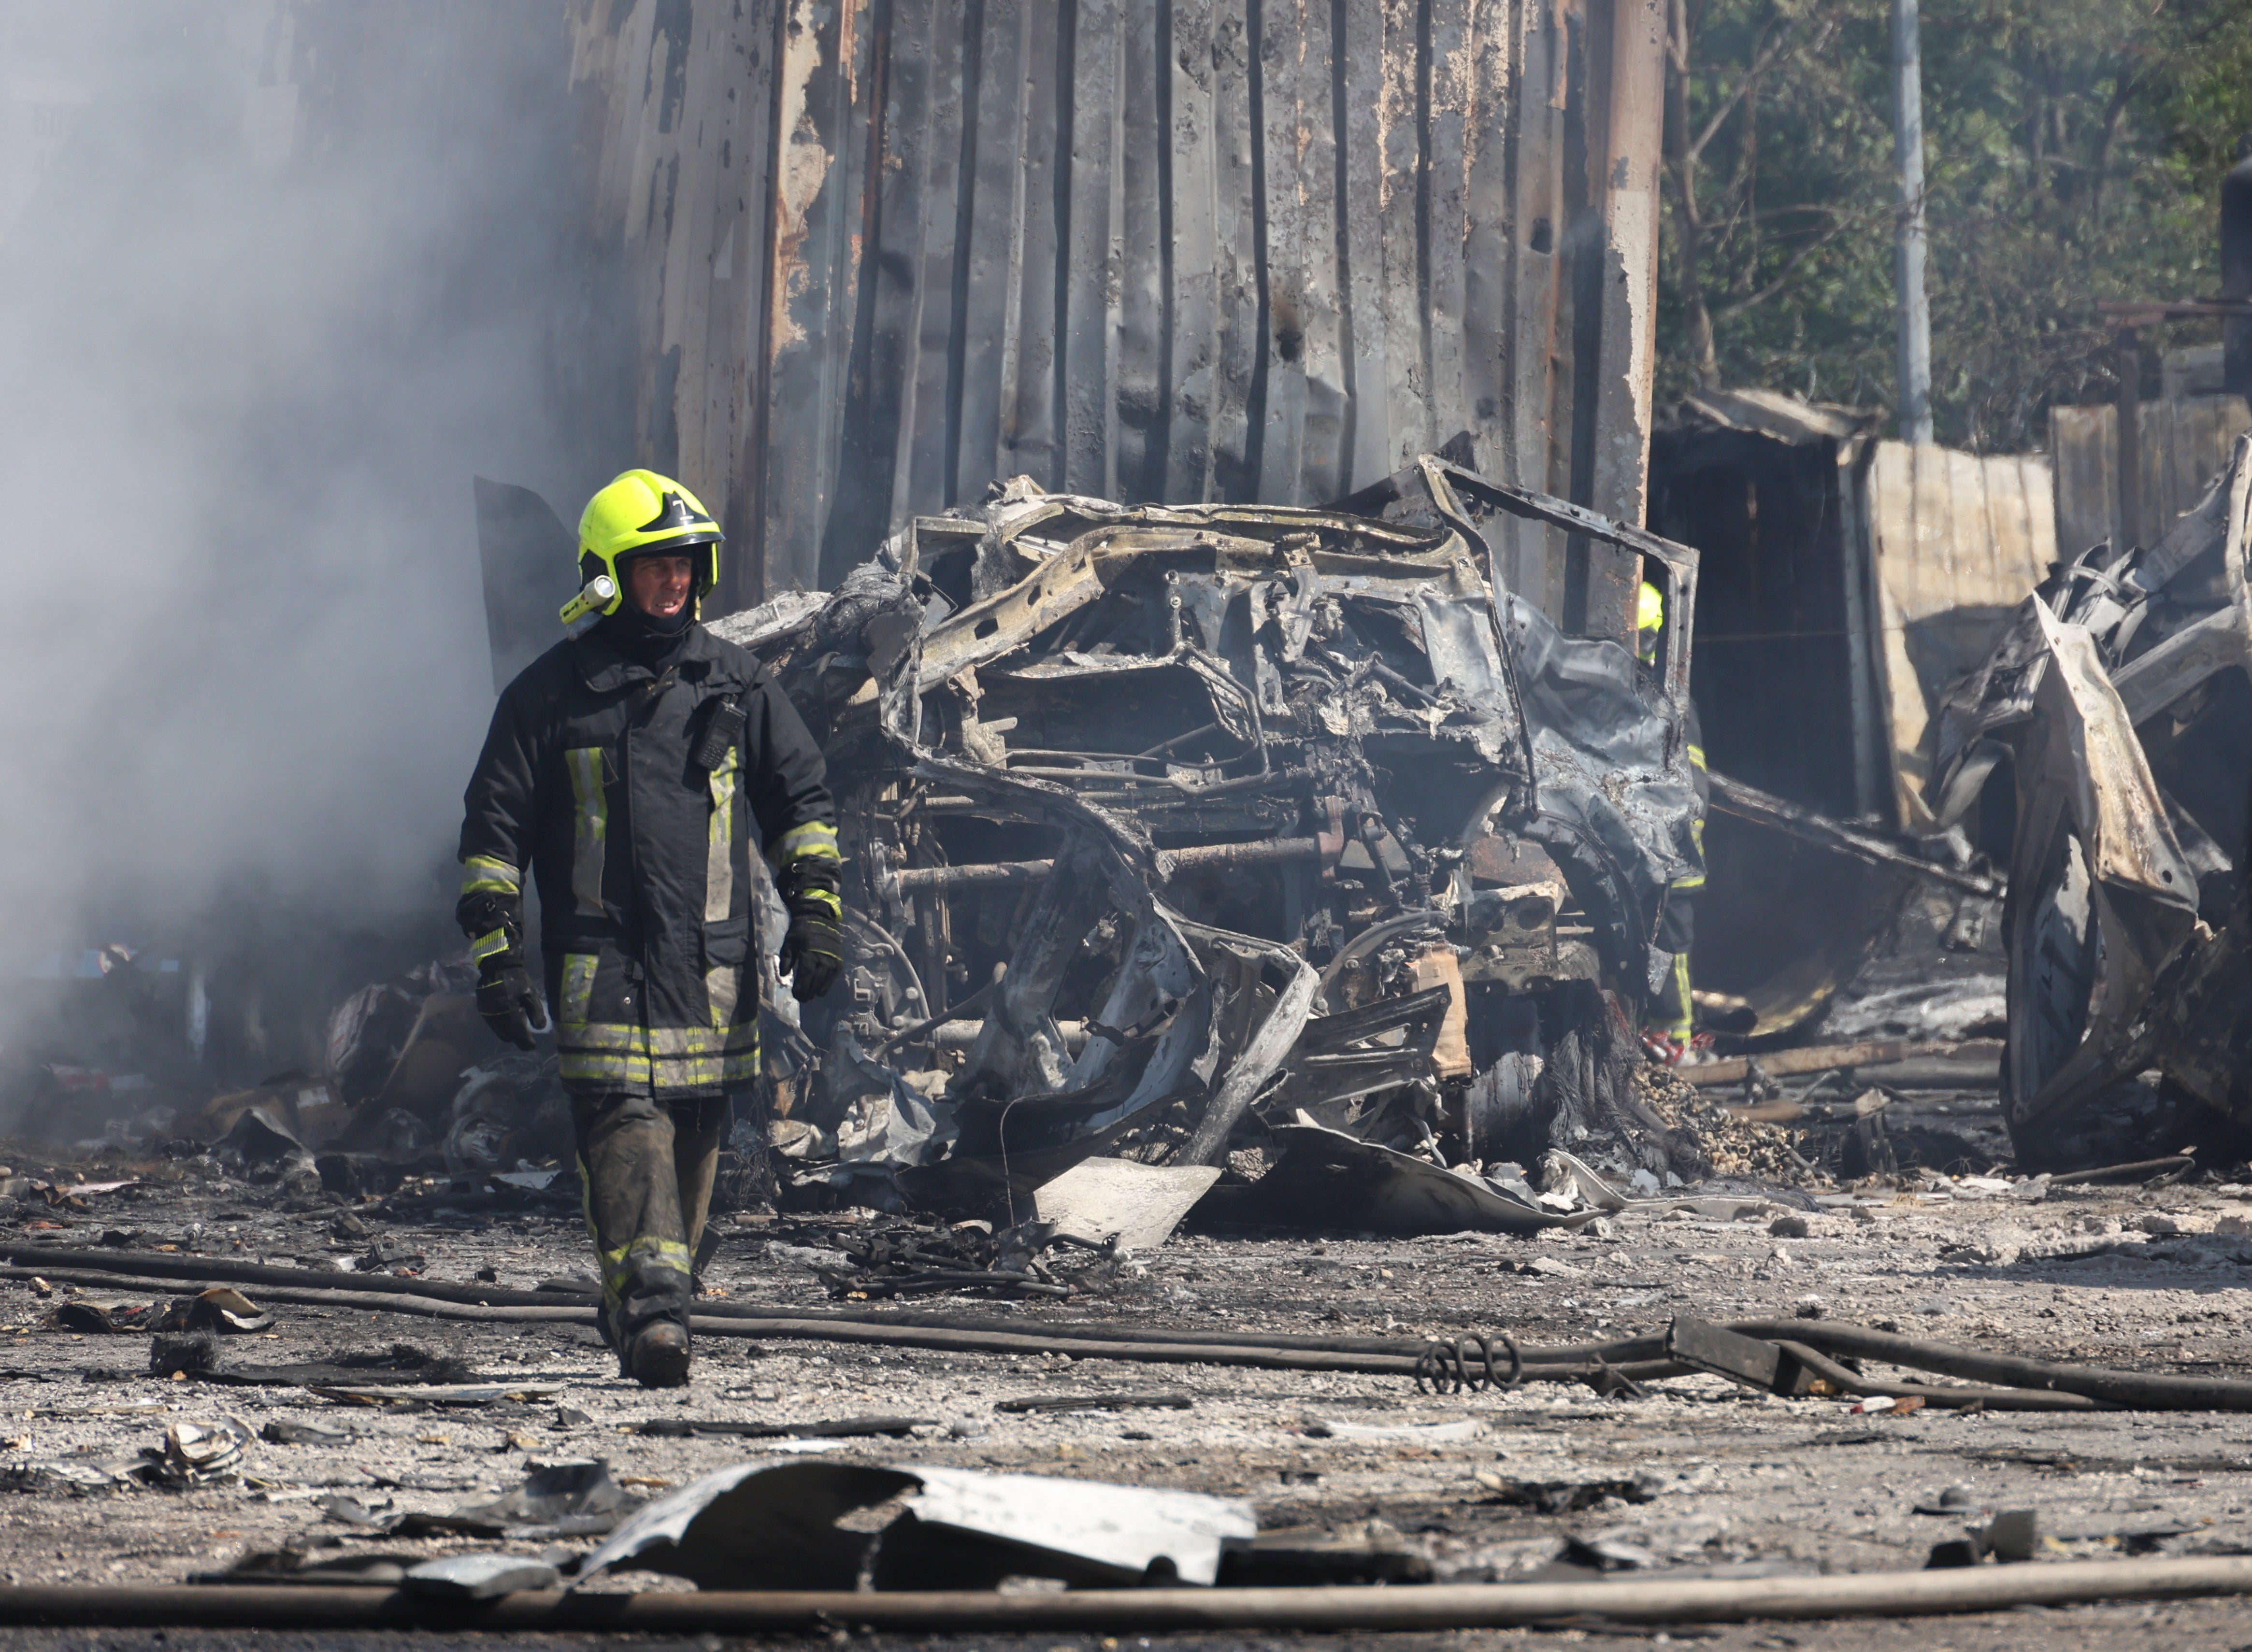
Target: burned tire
2055, 971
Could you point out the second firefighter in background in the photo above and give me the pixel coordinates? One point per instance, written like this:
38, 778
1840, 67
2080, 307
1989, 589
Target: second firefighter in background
622, 774
1670, 1027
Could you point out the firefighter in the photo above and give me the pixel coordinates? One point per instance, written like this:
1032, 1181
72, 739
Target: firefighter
1669, 1028
621, 771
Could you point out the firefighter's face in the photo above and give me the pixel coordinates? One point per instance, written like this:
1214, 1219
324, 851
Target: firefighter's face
659, 585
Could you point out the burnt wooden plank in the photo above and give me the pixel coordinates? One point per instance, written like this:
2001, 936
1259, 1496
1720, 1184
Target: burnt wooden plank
1032, 432
1322, 459
989, 275
709, 246
740, 268
680, 66
1633, 78
1088, 328
919, 484
678, 170
880, 371
2080, 439
1195, 279
1145, 255
1446, 72
1282, 68
1489, 313
1532, 456
1402, 185
1235, 227
814, 194
857, 94
1369, 415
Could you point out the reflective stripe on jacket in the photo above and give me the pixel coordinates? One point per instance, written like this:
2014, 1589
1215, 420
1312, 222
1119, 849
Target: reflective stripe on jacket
639, 856
1695, 732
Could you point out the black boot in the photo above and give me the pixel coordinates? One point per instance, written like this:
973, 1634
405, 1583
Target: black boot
658, 1356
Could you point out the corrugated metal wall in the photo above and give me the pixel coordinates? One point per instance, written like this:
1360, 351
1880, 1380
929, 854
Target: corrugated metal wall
880, 253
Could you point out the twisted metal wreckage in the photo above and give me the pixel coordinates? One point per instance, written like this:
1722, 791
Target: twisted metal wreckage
1175, 829
2121, 694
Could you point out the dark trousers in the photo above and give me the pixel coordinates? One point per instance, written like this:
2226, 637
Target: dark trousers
647, 1168
1672, 1011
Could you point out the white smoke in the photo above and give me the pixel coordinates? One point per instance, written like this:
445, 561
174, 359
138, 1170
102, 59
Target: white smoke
276, 278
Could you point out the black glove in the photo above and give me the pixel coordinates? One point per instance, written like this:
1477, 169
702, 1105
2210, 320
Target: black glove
507, 998
813, 950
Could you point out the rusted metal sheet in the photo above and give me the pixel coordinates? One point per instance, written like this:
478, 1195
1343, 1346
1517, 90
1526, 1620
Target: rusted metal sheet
1957, 541
878, 255
2186, 442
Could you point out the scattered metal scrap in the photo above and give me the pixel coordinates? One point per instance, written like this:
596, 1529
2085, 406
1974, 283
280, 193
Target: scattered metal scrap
2121, 696
837, 1428
1167, 1400
774, 1524
1176, 830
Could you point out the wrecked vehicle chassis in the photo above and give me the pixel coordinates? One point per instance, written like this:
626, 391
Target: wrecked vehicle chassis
1169, 826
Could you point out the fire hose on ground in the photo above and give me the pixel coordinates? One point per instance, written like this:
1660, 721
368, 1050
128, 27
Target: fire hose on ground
1795, 1355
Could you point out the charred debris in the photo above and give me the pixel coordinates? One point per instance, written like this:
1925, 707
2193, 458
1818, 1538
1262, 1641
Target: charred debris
1288, 841
2112, 720
1292, 865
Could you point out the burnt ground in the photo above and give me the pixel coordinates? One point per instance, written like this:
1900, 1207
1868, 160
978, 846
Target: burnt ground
2148, 1279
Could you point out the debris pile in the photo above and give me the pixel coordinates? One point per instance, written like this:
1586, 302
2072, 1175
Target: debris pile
1216, 835
1736, 1146
2120, 697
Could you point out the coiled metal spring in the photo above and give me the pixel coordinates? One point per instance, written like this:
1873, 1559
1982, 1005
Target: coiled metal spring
1467, 1365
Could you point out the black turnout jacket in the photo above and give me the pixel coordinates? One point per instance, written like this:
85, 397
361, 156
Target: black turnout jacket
640, 854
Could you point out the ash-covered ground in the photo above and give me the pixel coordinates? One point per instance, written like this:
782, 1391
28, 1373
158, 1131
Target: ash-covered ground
1703, 1475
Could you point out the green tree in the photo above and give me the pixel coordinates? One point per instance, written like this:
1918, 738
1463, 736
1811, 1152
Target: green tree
2073, 151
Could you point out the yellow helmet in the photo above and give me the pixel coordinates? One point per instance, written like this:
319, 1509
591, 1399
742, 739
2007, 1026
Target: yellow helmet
640, 513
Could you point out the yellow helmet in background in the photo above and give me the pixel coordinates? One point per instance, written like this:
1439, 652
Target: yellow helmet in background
640, 513
1649, 620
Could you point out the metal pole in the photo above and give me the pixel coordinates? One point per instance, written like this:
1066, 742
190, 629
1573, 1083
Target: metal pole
920, 880
1910, 240
1424, 1607
2129, 415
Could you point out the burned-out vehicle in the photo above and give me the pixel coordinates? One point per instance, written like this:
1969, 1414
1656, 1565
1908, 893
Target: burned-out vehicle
1294, 835
2120, 699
